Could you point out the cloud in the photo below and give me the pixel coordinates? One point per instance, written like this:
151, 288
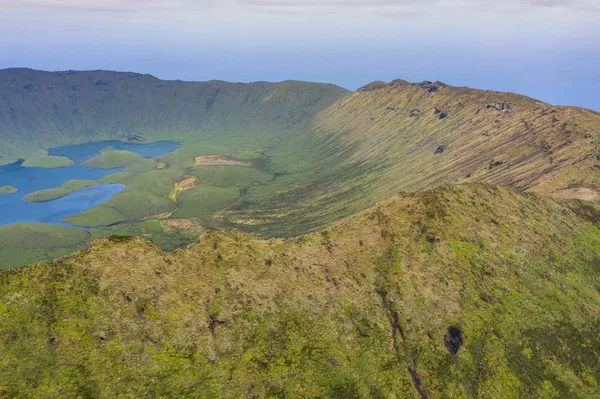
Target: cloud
179, 6
112, 6
422, 4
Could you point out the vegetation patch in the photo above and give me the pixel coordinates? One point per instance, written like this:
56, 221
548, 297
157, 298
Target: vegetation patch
111, 158
47, 195
498, 306
59, 192
228, 176
116, 177
147, 194
8, 190
41, 159
25, 243
98, 216
76, 185
203, 201
164, 234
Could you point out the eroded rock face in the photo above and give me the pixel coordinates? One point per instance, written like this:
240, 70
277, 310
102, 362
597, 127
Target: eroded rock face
441, 149
453, 339
373, 86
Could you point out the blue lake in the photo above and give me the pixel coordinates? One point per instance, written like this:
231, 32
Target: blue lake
13, 209
83, 152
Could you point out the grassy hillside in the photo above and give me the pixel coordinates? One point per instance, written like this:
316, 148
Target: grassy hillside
295, 157
431, 133
25, 243
400, 137
468, 291
40, 110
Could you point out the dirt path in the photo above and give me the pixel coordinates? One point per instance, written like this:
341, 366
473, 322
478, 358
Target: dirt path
218, 160
577, 193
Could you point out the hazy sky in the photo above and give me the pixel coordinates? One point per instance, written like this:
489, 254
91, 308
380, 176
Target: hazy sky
549, 49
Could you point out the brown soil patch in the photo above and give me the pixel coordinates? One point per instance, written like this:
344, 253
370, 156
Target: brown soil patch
185, 183
576, 193
182, 224
218, 160
182, 185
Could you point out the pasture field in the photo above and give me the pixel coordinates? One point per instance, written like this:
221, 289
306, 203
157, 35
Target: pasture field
203, 201
98, 216
41, 159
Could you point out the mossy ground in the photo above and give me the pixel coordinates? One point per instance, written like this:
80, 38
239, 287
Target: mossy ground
7, 190
47, 195
75, 185
359, 310
41, 159
59, 192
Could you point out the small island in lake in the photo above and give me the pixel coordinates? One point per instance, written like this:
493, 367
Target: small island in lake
8, 190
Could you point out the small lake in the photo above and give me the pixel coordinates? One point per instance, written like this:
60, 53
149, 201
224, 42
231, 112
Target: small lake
83, 152
13, 209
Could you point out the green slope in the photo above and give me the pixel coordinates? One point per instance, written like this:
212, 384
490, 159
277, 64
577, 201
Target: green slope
25, 243
40, 110
399, 137
468, 291
318, 153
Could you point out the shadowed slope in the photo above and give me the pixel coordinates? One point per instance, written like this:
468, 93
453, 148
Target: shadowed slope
469, 291
399, 137
47, 109
431, 133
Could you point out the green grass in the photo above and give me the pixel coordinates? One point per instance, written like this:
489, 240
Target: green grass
327, 154
202, 201
360, 310
75, 185
48, 161
228, 176
47, 195
248, 155
7, 160
107, 107
146, 194
116, 177
184, 156
111, 158
59, 192
98, 216
8, 190
33, 242
151, 230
